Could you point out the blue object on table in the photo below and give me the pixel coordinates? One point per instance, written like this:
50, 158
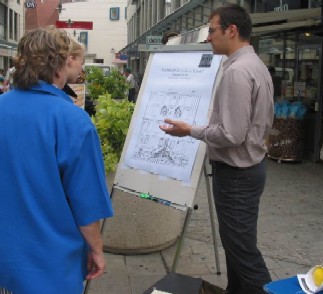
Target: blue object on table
285, 286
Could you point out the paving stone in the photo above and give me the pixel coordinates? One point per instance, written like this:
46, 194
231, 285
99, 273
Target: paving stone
290, 236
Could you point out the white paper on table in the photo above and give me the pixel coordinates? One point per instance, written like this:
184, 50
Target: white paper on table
306, 282
159, 292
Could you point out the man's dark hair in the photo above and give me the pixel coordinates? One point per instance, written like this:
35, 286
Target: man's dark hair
237, 15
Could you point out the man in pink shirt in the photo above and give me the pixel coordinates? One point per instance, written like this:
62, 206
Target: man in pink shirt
241, 119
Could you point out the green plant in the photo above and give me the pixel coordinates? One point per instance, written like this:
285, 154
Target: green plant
112, 121
98, 84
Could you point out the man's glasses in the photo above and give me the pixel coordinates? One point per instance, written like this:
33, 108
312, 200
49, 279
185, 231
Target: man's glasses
213, 30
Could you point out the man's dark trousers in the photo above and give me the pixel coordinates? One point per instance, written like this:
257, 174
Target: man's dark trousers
236, 195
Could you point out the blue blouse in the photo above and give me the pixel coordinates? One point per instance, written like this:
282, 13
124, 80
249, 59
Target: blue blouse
52, 181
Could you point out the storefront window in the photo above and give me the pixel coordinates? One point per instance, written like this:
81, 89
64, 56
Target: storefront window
279, 56
316, 3
289, 66
282, 5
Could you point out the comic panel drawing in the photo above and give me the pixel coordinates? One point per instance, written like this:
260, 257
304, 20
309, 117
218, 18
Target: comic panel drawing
171, 91
152, 145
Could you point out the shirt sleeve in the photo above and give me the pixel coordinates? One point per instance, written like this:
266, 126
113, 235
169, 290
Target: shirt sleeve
84, 181
234, 112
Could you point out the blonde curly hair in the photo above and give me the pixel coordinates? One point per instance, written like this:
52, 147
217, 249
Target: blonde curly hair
41, 53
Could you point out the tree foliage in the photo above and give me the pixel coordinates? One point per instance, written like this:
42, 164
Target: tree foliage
112, 121
98, 84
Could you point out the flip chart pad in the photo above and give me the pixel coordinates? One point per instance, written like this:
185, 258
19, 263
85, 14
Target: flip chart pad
179, 86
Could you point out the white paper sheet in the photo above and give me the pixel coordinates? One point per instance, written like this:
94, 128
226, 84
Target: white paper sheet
159, 292
307, 283
180, 91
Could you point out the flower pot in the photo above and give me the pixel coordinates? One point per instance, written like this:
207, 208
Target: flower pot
140, 225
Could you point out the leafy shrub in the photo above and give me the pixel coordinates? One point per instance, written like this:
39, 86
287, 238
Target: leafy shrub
112, 121
98, 84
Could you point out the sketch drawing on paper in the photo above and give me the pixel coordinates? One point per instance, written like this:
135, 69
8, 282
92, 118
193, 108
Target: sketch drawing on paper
152, 145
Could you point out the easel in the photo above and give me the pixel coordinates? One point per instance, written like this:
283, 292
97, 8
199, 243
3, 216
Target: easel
186, 222
200, 60
180, 240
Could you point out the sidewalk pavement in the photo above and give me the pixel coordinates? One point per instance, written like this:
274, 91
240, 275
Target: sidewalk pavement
290, 236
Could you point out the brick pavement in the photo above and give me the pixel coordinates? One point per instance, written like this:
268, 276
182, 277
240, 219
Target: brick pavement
290, 236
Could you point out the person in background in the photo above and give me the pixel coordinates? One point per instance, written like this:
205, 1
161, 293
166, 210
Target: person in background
240, 122
52, 180
1, 81
75, 62
132, 85
277, 82
8, 80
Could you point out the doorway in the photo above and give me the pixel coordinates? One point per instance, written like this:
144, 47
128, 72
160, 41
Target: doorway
307, 87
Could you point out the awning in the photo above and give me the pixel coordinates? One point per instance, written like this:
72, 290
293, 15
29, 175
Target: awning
119, 61
285, 20
83, 25
285, 26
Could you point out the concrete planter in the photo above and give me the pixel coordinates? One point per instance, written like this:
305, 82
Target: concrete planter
139, 225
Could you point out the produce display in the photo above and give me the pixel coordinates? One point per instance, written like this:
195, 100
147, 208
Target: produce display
286, 139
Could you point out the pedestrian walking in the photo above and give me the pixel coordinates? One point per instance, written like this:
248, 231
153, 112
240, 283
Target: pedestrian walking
132, 85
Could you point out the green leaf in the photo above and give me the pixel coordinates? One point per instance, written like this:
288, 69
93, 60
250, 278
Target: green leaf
112, 121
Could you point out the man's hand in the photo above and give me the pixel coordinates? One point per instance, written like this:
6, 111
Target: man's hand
176, 128
95, 265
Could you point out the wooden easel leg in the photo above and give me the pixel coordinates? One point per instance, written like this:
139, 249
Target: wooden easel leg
210, 200
88, 282
181, 239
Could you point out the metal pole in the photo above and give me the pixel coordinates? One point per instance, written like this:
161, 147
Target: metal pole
215, 243
181, 239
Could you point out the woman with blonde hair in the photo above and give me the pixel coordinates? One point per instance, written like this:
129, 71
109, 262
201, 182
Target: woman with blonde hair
52, 180
75, 61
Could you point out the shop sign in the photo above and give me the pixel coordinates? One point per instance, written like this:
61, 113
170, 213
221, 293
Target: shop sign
281, 5
120, 56
145, 47
153, 40
30, 4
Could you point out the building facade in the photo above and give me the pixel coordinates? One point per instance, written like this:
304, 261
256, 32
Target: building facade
11, 29
109, 33
287, 35
40, 13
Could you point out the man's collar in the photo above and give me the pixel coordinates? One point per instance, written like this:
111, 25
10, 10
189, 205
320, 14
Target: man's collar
233, 57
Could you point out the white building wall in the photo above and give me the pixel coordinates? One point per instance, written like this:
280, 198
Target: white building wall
108, 36
20, 10
8, 42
